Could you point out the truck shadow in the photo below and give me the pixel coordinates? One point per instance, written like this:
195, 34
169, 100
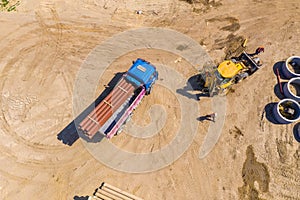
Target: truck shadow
192, 85
70, 134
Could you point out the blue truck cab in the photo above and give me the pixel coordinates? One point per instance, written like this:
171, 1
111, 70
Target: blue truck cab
142, 73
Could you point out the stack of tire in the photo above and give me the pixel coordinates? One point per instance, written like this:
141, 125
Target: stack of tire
291, 90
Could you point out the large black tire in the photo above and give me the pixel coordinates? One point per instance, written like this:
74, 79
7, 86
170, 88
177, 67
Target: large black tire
293, 70
149, 91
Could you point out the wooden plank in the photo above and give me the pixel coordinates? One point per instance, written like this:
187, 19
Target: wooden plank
108, 194
128, 195
94, 198
122, 88
93, 120
116, 194
107, 103
103, 196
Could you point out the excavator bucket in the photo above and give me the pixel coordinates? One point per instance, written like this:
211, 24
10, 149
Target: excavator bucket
208, 81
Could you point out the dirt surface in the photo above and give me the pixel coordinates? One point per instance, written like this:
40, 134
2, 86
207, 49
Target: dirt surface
43, 45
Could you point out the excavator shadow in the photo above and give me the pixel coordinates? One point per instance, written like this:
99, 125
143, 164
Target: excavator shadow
192, 85
70, 134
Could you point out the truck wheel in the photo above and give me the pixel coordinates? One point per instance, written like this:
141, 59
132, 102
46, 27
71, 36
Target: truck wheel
128, 118
148, 91
119, 131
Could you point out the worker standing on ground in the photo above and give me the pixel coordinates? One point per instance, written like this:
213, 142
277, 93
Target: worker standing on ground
211, 117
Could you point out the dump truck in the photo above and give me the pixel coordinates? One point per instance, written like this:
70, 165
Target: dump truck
218, 80
117, 107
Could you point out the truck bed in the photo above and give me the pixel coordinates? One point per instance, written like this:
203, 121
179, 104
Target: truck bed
125, 112
106, 111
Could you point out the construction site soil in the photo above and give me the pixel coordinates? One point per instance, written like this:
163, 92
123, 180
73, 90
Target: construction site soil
43, 45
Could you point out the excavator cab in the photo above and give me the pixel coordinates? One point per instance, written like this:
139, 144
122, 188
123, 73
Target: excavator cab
229, 69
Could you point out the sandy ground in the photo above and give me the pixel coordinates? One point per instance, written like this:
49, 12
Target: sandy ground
43, 45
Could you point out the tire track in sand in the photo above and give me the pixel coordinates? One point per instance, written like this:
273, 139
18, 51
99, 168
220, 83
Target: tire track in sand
37, 56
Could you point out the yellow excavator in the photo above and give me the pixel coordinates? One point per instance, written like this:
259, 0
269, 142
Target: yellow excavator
218, 80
